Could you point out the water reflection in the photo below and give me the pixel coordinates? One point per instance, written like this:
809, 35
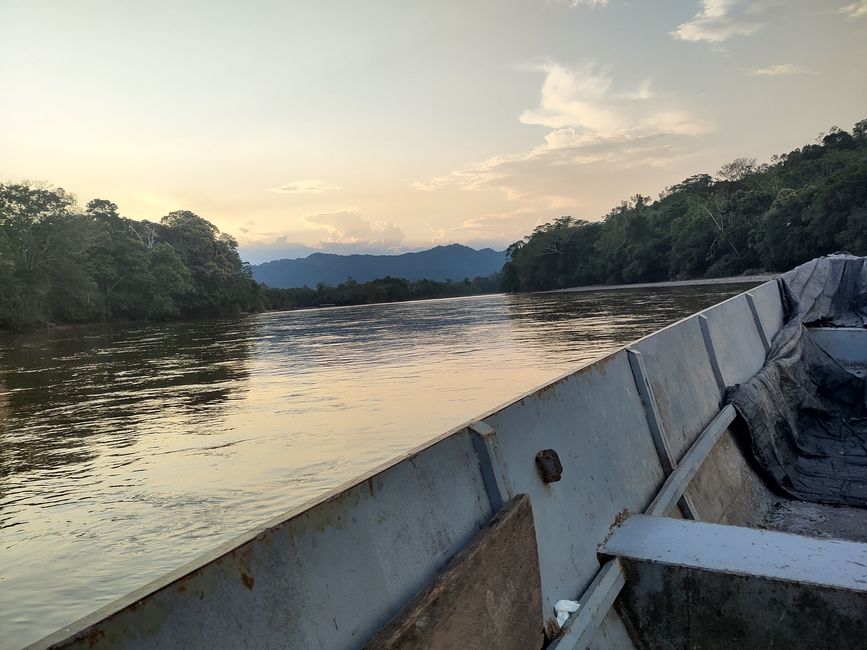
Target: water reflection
590, 323
61, 388
125, 452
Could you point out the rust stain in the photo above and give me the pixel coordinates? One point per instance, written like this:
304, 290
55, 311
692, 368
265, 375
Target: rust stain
182, 588
370, 485
622, 516
247, 579
552, 628
95, 636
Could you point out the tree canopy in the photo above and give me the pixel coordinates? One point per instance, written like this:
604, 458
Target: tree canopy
61, 263
749, 217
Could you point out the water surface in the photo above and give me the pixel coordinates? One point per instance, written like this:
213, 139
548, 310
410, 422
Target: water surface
127, 451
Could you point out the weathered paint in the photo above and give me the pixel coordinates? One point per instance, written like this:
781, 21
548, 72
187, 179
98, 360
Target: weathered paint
676, 483
328, 576
673, 607
699, 585
739, 349
746, 551
683, 381
491, 590
595, 422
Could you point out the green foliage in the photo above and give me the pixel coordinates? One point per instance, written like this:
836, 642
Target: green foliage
809, 202
386, 289
61, 264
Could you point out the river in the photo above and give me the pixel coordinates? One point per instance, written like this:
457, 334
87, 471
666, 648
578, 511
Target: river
127, 451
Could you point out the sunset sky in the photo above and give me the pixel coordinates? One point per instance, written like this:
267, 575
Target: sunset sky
390, 126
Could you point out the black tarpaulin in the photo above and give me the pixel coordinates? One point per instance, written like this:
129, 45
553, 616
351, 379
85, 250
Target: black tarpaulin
805, 413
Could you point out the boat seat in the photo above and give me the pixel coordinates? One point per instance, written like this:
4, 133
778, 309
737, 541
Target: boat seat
693, 584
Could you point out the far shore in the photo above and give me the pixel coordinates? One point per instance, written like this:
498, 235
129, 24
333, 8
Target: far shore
737, 279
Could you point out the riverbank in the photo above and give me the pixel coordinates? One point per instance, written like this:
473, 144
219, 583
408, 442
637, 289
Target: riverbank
736, 279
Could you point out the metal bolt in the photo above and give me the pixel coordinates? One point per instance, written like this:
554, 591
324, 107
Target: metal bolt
549, 465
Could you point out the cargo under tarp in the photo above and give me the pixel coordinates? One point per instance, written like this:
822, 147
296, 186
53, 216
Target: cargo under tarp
804, 411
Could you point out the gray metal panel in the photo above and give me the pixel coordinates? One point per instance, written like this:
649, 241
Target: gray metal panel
743, 551
676, 483
683, 381
769, 306
671, 607
726, 490
595, 421
612, 634
739, 349
328, 577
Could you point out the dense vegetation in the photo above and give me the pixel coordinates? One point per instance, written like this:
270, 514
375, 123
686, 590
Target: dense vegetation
386, 289
59, 263
62, 264
809, 202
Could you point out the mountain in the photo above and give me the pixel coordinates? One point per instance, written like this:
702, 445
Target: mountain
453, 262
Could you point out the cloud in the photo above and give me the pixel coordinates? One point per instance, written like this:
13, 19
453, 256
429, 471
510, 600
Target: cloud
594, 126
347, 228
280, 247
640, 93
309, 186
781, 70
854, 10
584, 98
343, 232
720, 20
584, 3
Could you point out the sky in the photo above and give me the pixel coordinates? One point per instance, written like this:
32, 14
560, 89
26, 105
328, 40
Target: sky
384, 127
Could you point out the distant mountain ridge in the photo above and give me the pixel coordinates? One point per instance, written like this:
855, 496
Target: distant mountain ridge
452, 262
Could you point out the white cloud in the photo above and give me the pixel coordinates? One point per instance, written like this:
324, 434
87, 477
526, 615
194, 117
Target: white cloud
593, 126
347, 227
640, 93
781, 70
309, 186
583, 3
583, 98
720, 20
854, 10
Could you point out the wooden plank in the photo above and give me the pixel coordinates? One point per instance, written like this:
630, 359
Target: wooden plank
488, 596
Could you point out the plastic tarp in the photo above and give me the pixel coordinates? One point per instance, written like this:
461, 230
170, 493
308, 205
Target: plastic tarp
806, 414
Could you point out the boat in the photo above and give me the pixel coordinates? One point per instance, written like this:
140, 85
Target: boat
672, 494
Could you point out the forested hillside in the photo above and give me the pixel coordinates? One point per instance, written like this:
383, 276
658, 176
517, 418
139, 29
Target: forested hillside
59, 263
441, 263
803, 204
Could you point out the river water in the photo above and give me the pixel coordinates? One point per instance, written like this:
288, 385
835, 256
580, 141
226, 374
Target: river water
127, 451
